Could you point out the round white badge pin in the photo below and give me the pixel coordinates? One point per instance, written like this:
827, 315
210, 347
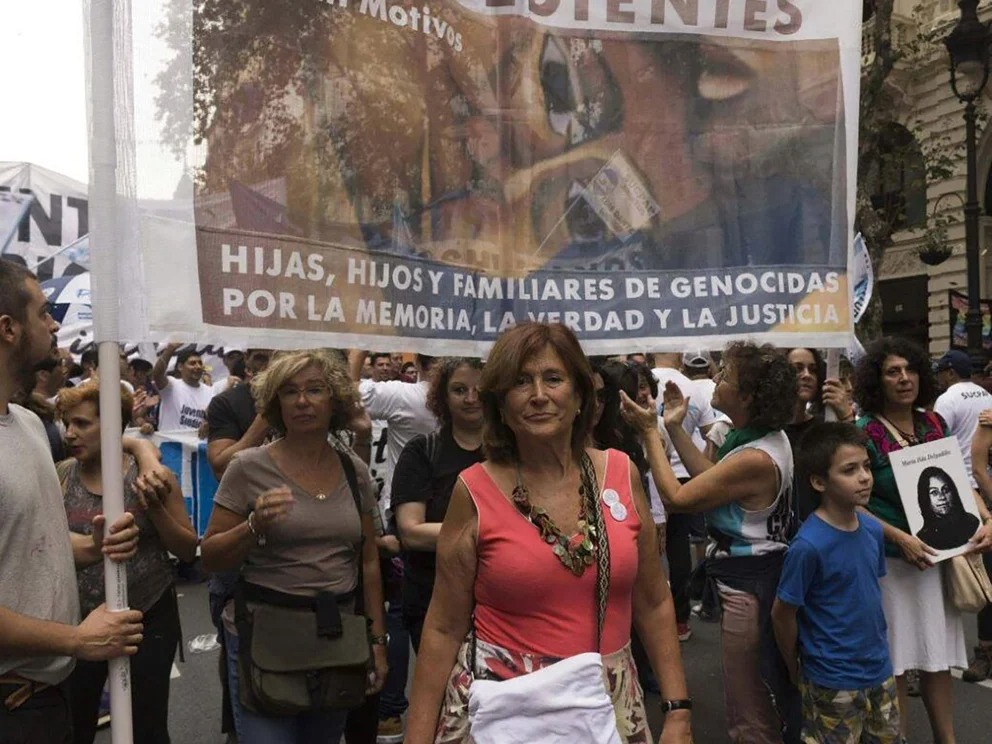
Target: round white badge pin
618, 511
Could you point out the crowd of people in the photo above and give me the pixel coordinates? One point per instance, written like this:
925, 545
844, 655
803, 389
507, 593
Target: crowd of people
538, 528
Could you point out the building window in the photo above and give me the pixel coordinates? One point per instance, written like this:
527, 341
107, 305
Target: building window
897, 180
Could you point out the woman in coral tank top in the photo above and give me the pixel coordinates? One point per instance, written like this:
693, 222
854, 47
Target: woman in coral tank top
520, 560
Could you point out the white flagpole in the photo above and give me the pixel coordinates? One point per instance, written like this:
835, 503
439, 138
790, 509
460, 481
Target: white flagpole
104, 260
833, 370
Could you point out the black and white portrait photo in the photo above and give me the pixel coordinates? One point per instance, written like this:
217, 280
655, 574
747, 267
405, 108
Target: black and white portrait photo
937, 496
946, 524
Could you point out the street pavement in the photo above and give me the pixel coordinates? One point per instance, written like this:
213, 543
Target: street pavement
194, 716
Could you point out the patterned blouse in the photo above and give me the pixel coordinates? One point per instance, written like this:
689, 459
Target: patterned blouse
885, 503
149, 572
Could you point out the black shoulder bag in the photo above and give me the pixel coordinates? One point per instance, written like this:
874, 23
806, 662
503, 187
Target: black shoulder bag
299, 654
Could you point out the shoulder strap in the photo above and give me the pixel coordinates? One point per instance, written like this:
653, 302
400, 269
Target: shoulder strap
352, 477
431, 447
593, 508
890, 427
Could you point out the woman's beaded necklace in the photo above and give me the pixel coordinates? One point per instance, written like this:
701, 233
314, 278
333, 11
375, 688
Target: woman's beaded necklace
575, 552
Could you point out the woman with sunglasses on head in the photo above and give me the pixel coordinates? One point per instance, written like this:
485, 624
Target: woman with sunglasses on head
425, 475
746, 496
286, 515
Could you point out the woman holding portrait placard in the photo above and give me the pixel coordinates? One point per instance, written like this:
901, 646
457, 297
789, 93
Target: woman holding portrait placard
892, 384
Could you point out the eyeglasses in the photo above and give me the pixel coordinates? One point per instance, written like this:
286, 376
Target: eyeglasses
312, 393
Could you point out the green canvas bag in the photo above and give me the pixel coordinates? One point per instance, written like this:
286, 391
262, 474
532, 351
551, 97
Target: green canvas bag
285, 666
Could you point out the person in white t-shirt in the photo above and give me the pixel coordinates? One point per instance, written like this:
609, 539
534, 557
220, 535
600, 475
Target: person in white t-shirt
680, 526
380, 370
402, 405
184, 399
961, 402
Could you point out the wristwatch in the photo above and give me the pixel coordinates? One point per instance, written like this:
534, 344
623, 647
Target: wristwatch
667, 706
379, 640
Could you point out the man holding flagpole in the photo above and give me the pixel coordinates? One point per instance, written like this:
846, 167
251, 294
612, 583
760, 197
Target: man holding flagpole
40, 630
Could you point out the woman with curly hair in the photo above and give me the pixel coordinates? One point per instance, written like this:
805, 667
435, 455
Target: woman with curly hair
285, 514
747, 498
893, 383
425, 475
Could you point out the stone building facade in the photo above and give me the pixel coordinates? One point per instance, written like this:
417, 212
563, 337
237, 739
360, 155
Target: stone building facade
917, 296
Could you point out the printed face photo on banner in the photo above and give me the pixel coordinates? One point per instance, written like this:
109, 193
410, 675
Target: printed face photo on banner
500, 146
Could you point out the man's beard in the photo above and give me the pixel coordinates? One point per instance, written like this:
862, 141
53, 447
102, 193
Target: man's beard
26, 380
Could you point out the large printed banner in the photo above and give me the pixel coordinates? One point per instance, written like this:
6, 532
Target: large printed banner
57, 216
664, 173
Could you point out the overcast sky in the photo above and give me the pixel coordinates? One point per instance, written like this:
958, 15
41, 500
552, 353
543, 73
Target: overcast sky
44, 112
43, 91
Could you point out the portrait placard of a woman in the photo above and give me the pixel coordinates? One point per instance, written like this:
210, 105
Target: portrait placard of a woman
946, 524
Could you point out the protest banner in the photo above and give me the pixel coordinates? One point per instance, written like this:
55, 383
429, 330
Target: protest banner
58, 215
663, 173
957, 311
937, 496
13, 209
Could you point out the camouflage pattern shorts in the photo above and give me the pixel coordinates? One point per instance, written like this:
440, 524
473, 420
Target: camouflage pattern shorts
867, 716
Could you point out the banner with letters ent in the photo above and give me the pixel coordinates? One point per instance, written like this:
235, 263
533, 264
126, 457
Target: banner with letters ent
57, 216
420, 175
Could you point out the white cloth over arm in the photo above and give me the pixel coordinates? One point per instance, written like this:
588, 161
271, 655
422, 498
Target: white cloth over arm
564, 703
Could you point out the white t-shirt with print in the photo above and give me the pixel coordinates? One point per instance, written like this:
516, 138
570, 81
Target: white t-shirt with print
700, 412
183, 406
960, 405
403, 407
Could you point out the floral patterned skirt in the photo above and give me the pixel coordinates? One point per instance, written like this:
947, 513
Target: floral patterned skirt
496, 662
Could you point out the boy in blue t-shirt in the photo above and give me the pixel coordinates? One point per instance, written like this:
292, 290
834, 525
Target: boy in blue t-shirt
828, 617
